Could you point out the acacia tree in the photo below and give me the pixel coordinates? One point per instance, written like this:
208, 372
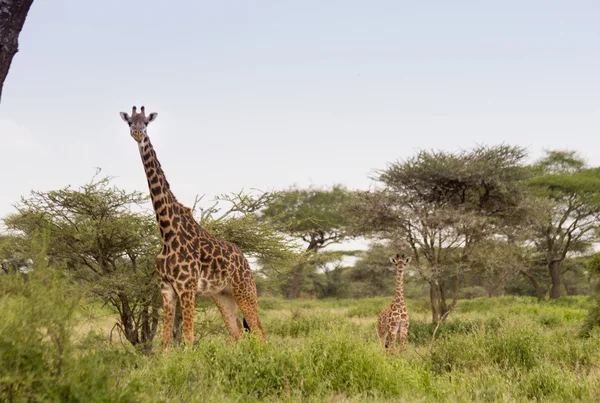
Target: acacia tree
12, 18
104, 245
441, 205
569, 190
314, 216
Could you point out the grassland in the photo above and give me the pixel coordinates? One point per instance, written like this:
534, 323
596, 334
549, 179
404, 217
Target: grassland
501, 349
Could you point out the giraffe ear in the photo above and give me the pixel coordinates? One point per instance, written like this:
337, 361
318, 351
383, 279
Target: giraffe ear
393, 260
152, 117
125, 117
407, 260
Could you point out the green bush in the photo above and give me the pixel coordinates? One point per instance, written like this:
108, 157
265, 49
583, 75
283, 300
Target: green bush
37, 312
39, 361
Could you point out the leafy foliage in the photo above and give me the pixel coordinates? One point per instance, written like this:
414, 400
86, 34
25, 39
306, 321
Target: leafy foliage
315, 216
570, 192
104, 245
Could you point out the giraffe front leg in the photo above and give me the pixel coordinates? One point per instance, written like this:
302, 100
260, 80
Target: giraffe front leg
382, 331
187, 299
403, 333
169, 305
392, 342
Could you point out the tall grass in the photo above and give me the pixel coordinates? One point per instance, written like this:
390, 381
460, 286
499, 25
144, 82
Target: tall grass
503, 349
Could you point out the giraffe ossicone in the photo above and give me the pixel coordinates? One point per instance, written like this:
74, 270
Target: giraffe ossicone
192, 261
394, 318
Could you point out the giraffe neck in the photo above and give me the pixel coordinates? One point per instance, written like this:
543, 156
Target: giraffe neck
166, 207
399, 297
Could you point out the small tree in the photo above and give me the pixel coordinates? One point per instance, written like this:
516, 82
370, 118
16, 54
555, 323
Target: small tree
104, 244
314, 216
570, 192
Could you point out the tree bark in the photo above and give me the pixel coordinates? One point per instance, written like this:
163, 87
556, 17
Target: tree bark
443, 308
127, 320
295, 284
433, 297
554, 267
292, 293
12, 18
538, 290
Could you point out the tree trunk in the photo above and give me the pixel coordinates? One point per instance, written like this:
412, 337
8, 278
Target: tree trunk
554, 267
442, 298
12, 18
127, 321
295, 284
153, 322
149, 323
538, 290
433, 297
292, 293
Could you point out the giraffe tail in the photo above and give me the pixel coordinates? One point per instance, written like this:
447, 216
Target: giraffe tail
246, 327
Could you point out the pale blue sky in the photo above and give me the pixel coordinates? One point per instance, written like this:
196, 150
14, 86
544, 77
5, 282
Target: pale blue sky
265, 94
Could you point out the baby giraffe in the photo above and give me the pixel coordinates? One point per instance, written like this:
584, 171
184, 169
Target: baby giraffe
394, 318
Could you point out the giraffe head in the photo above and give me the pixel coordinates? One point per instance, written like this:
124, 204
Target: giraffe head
400, 261
138, 122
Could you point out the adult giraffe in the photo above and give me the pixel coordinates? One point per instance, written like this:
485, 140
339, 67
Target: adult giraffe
192, 261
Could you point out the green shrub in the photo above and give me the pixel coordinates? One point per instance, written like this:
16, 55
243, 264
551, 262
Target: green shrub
36, 311
39, 361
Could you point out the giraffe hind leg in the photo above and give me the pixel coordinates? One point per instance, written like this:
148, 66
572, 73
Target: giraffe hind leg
250, 312
245, 295
228, 308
